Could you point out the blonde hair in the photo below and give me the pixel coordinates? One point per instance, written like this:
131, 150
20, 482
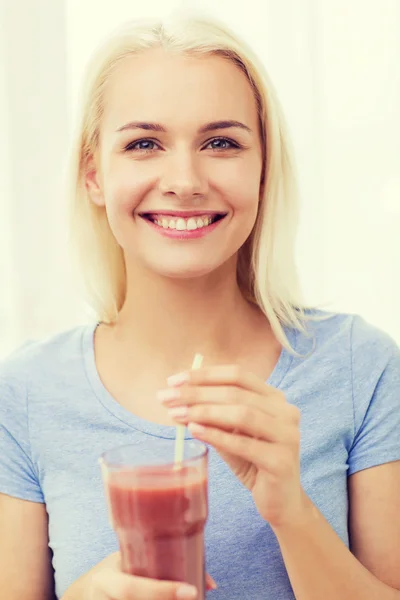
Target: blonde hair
266, 266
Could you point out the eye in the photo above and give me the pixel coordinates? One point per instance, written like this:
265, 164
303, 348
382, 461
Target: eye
222, 143
144, 146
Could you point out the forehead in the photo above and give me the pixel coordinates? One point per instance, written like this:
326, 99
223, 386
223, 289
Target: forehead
177, 90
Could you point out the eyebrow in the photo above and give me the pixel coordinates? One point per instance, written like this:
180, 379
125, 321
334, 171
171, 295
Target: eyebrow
204, 129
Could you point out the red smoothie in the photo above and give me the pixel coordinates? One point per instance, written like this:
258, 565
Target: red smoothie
159, 516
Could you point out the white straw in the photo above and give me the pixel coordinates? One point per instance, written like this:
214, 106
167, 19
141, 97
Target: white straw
181, 429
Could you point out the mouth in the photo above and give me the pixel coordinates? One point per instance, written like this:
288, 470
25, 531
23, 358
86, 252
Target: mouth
183, 222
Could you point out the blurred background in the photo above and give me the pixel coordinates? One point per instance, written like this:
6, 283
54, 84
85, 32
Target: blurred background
335, 64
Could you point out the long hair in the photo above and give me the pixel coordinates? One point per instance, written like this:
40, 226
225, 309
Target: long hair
266, 270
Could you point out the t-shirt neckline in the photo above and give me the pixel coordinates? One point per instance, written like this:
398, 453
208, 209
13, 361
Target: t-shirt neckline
131, 420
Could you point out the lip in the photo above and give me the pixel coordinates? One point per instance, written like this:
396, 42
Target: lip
183, 214
184, 235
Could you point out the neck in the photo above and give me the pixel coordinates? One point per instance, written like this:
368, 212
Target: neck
167, 321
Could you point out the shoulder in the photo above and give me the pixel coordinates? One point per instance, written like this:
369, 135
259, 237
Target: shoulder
349, 338
37, 361
371, 343
326, 327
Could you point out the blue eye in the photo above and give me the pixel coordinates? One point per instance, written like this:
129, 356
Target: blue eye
222, 143
146, 146
142, 146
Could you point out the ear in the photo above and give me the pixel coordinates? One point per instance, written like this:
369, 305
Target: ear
92, 182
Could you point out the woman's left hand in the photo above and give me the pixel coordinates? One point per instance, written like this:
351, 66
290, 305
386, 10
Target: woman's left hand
253, 428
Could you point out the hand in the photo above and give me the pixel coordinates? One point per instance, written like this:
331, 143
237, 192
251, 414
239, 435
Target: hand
253, 428
107, 582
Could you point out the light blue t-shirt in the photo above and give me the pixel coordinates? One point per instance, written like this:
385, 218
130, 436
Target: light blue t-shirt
56, 418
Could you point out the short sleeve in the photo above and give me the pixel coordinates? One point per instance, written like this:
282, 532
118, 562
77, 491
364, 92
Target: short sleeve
17, 473
376, 395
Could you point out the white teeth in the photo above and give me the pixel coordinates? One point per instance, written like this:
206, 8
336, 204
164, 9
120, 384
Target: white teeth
181, 224
191, 224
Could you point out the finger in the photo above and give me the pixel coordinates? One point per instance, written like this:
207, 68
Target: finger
274, 458
210, 583
237, 418
223, 394
224, 375
119, 586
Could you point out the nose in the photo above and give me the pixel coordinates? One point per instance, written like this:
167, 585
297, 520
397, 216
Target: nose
182, 178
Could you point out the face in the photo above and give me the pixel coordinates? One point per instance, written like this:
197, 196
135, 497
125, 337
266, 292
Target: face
179, 162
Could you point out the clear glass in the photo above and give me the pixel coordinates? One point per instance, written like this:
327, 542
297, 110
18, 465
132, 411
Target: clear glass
159, 510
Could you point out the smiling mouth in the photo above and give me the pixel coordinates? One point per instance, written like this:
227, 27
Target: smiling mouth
183, 223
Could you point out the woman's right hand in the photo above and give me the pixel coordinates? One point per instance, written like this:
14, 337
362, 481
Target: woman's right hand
106, 581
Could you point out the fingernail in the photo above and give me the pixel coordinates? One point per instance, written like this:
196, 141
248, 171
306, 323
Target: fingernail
196, 428
186, 592
168, 395
180, 411
178, 379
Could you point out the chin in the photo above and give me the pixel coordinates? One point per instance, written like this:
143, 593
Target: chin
184, 272
184, 265
187, 274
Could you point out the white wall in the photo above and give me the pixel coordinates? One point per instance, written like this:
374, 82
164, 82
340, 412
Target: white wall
335, 65
360, 155
8, 320
32, 226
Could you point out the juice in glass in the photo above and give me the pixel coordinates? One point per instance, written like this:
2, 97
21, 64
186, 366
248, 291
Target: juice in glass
159, 510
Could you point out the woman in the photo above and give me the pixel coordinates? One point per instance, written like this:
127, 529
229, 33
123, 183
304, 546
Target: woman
184, 213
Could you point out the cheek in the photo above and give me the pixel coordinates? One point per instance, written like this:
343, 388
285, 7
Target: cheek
125, 189
242, 188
